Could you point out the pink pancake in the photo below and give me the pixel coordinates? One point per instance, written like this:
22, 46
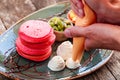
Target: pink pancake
34, 58
35, 31
30, 51
41, 45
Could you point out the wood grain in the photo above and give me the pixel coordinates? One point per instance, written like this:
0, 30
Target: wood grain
42, 3
104, 73
2, 27
13, 10
114, 65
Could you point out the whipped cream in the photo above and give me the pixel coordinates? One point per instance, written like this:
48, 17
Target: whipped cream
65, 50
56, 63
72, 64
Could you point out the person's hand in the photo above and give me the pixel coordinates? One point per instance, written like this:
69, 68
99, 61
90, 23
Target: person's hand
99, 35
104, 36
107, 11
77, 7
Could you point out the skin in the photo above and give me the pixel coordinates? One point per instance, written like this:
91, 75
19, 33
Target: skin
104, 34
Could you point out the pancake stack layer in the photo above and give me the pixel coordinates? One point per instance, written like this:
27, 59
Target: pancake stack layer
35, 40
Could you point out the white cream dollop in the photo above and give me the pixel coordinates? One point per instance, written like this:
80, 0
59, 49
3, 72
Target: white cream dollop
72, 64
65, 50
56, 63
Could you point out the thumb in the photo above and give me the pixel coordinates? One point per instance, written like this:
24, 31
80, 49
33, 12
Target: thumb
75, 32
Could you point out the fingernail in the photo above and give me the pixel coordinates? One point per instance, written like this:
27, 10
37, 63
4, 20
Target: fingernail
67, 33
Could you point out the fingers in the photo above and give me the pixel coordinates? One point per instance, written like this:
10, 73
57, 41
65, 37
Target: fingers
77, 7
80, 32
75, 32
88, 45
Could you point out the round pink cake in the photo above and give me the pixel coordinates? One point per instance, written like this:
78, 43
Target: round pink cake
35, 40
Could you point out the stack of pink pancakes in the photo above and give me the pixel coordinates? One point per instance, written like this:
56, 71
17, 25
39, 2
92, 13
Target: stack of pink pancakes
35, 40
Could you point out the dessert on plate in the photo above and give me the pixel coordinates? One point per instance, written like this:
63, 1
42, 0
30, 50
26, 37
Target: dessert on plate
35, 39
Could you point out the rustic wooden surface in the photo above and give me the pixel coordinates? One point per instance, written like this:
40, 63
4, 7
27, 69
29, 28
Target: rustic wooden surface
13, 10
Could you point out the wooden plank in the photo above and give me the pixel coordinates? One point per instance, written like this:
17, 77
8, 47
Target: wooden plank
13, 10
2, 27
42, 3
104, 74
91, 76
114, 65
101, 74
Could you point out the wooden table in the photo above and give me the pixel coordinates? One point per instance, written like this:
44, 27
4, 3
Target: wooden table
13, 10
